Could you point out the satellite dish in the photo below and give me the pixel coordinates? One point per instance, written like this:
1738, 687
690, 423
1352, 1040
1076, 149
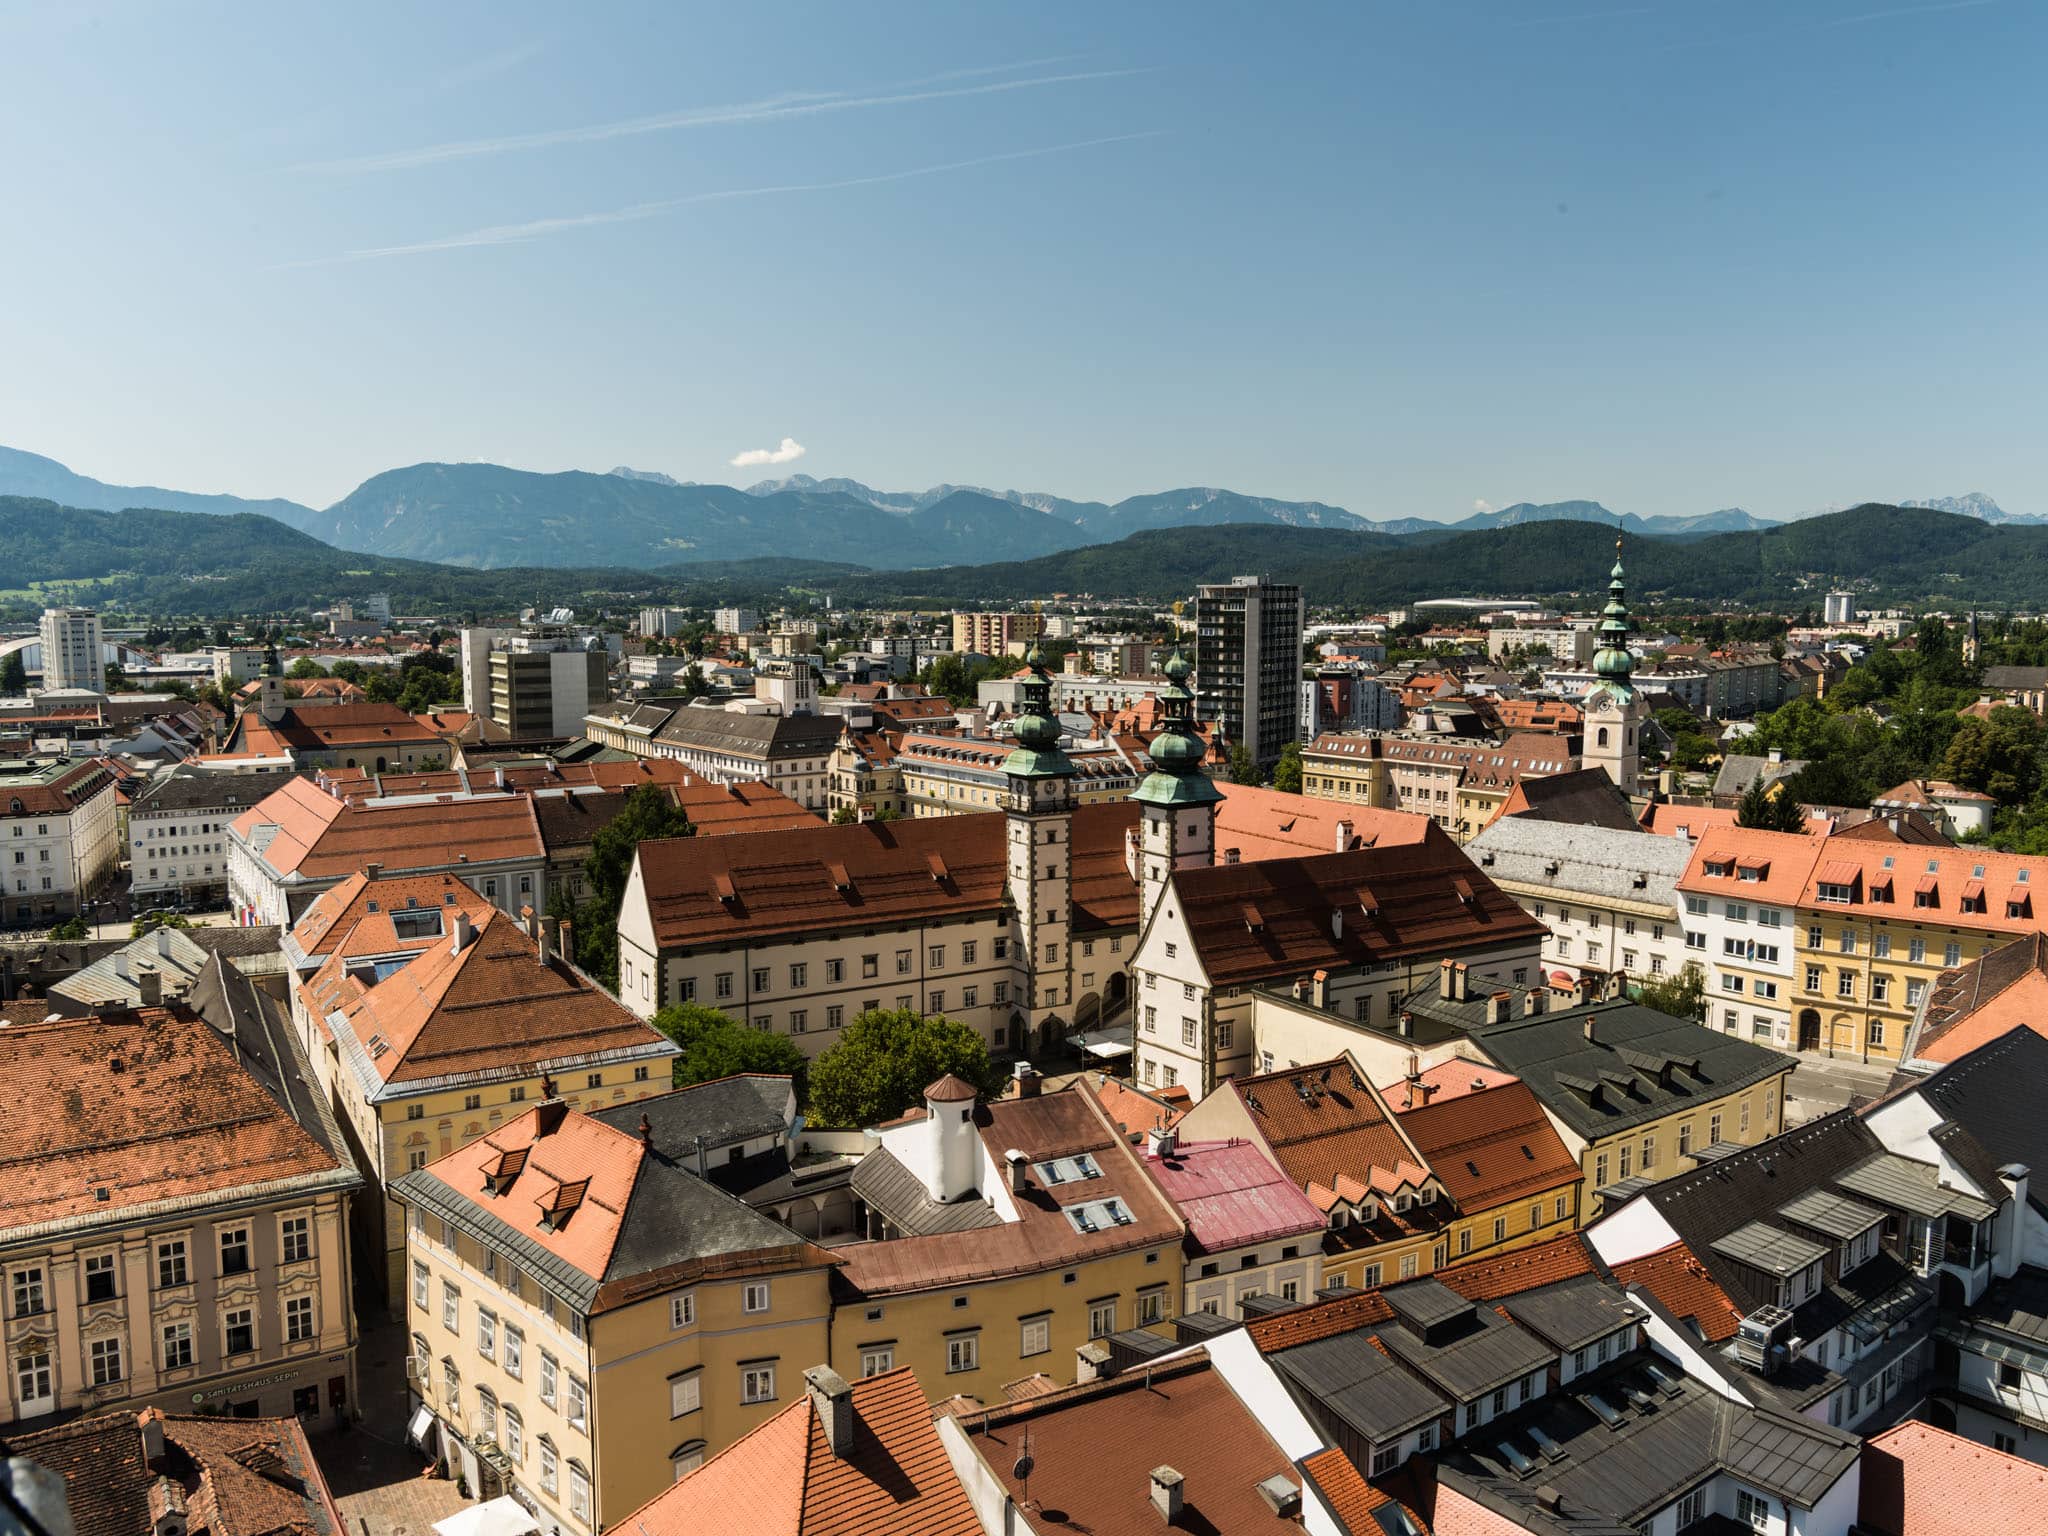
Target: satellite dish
1022, 1467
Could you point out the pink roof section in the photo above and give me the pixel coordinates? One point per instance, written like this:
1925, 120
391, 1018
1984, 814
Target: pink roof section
1232, 1195
1451, 1079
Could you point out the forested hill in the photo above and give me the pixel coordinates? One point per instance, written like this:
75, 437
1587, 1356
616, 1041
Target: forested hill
1899, 552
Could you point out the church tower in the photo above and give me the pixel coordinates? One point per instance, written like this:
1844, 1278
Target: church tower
1177, 801
1038, 850
1614, 710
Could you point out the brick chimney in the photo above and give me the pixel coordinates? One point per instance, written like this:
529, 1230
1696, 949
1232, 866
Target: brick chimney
1020, 1171
832, 1400
150, 983
1166, 1494
1026, 1080
1447, 981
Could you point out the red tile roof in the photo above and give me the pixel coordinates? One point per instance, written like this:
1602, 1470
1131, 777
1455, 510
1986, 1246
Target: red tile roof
331, 728
1054, 1125
1094, 1448
1232, 1195
302, 830
1334, 1127
1350, 1497
1138, 1110
1923, 1481
1974, 1004
493, 1005
730, 889
1283, 918
783, 1479
144, 1105
1272, 824
355, 917
1490, 1147
1681, 1282
238, 1477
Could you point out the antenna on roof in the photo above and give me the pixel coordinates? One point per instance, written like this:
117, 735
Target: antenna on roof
1024, 1465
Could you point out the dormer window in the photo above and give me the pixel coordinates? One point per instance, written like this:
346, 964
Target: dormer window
1720, 869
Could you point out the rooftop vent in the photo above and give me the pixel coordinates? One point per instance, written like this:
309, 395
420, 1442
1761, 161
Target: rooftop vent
1281, 1496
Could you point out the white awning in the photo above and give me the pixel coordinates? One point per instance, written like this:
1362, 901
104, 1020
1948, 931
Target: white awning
1105, 1046
422, 1421
497, 1517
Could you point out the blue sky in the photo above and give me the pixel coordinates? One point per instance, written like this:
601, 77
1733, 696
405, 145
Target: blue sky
1408, 258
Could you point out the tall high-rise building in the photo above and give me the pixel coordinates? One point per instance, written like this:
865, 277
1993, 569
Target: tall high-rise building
992, 634
1248, 663
1840, 608
73, 654
534, 684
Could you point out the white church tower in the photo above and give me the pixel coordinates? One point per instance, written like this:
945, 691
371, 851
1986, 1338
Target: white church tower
1614, 710
1177, 801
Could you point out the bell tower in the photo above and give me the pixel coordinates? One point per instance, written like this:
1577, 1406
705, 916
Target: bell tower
1177, 801
1038, 807
1614, 710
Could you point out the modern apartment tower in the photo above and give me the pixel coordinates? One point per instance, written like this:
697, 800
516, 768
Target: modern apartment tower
72, 649
1248, 663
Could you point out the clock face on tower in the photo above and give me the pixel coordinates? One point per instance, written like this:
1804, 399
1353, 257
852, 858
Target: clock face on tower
1602, 703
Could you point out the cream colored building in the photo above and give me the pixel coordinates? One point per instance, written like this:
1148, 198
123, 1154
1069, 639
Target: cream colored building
184, 1241
589, 1319
994, 634
432, 1018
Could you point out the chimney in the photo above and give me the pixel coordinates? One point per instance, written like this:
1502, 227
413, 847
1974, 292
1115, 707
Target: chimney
527, 925
1020, 1168
1589, 987
548, 1116
1343, 836
1549, 1500
151, 1422
1024, 1077
1406, 1027
464, 933
1592, 1029
1447, 981
550, 938
567, 946
832, 1401
1536, 1001
150, 983
373, 870
1776, 755
646, 1129
1320, 989
166, 1506
1499, 1007
1337, 923
1166, 1494
1460, 982
1610, 989
1161, 1140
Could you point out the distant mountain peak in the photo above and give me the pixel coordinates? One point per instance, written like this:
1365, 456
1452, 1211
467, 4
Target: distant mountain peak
652, 476
1970, 504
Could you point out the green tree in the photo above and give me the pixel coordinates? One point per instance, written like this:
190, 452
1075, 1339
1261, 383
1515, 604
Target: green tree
886, 1058
715, 1045
1683, 996
1766, 812
306, 668
2000, 757
149, 922
648, 812
13, 675
71, 929
1692, 750
1242, 769
1287, 772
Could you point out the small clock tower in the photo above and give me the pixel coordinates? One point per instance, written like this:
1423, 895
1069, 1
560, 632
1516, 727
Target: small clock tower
1614, 710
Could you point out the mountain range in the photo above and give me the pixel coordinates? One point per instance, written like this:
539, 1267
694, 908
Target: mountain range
490, 517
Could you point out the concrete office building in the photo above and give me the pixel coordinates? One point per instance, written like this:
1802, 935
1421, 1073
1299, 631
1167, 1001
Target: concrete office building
73, 654
1248, 663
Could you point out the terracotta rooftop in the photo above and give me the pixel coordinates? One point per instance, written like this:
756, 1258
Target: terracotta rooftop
1271, 824
1094, 1448
1446, 1080
867, 873
490, 1006
1491, 1146
237, 1477
783, 1478
1922, 1481
1051, 1126
1682, 1283
51, 789
1232, 1195
137, 1107
1974, 1004
1329, 1127
301, 830
361, 915
1276, 920
1138, 1110
1749, 865
331, 728
1350, 1497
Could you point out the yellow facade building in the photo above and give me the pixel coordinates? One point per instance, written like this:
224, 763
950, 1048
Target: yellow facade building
590, 1319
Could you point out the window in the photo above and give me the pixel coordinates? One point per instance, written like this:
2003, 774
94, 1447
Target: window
550, 1466
1916, 951
685, 1395
1692, 1509
415, 1111
1952, 955
234, 1251
240, 1325
682, 1310
99, 1277
1600, 1170
1034, 1336
548, 1371
106, 1361
870, 965
1152, 1307
1223, 1033
1465, 1241
487, 1333
1752, 1509
170, 1263
1845, 983
1500, 1229
515, 1351
902, 962
1558, 1209
577, 1409
177, 1341
1713, 1128
1881, 946
1101, 1319
1649, 1152
757, 1384
963, 1353
799, 974
579, 1491
298, 1319
1880, 988
295, 1239
416, 1160
451, 1307
754, 1297
1187, 1030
